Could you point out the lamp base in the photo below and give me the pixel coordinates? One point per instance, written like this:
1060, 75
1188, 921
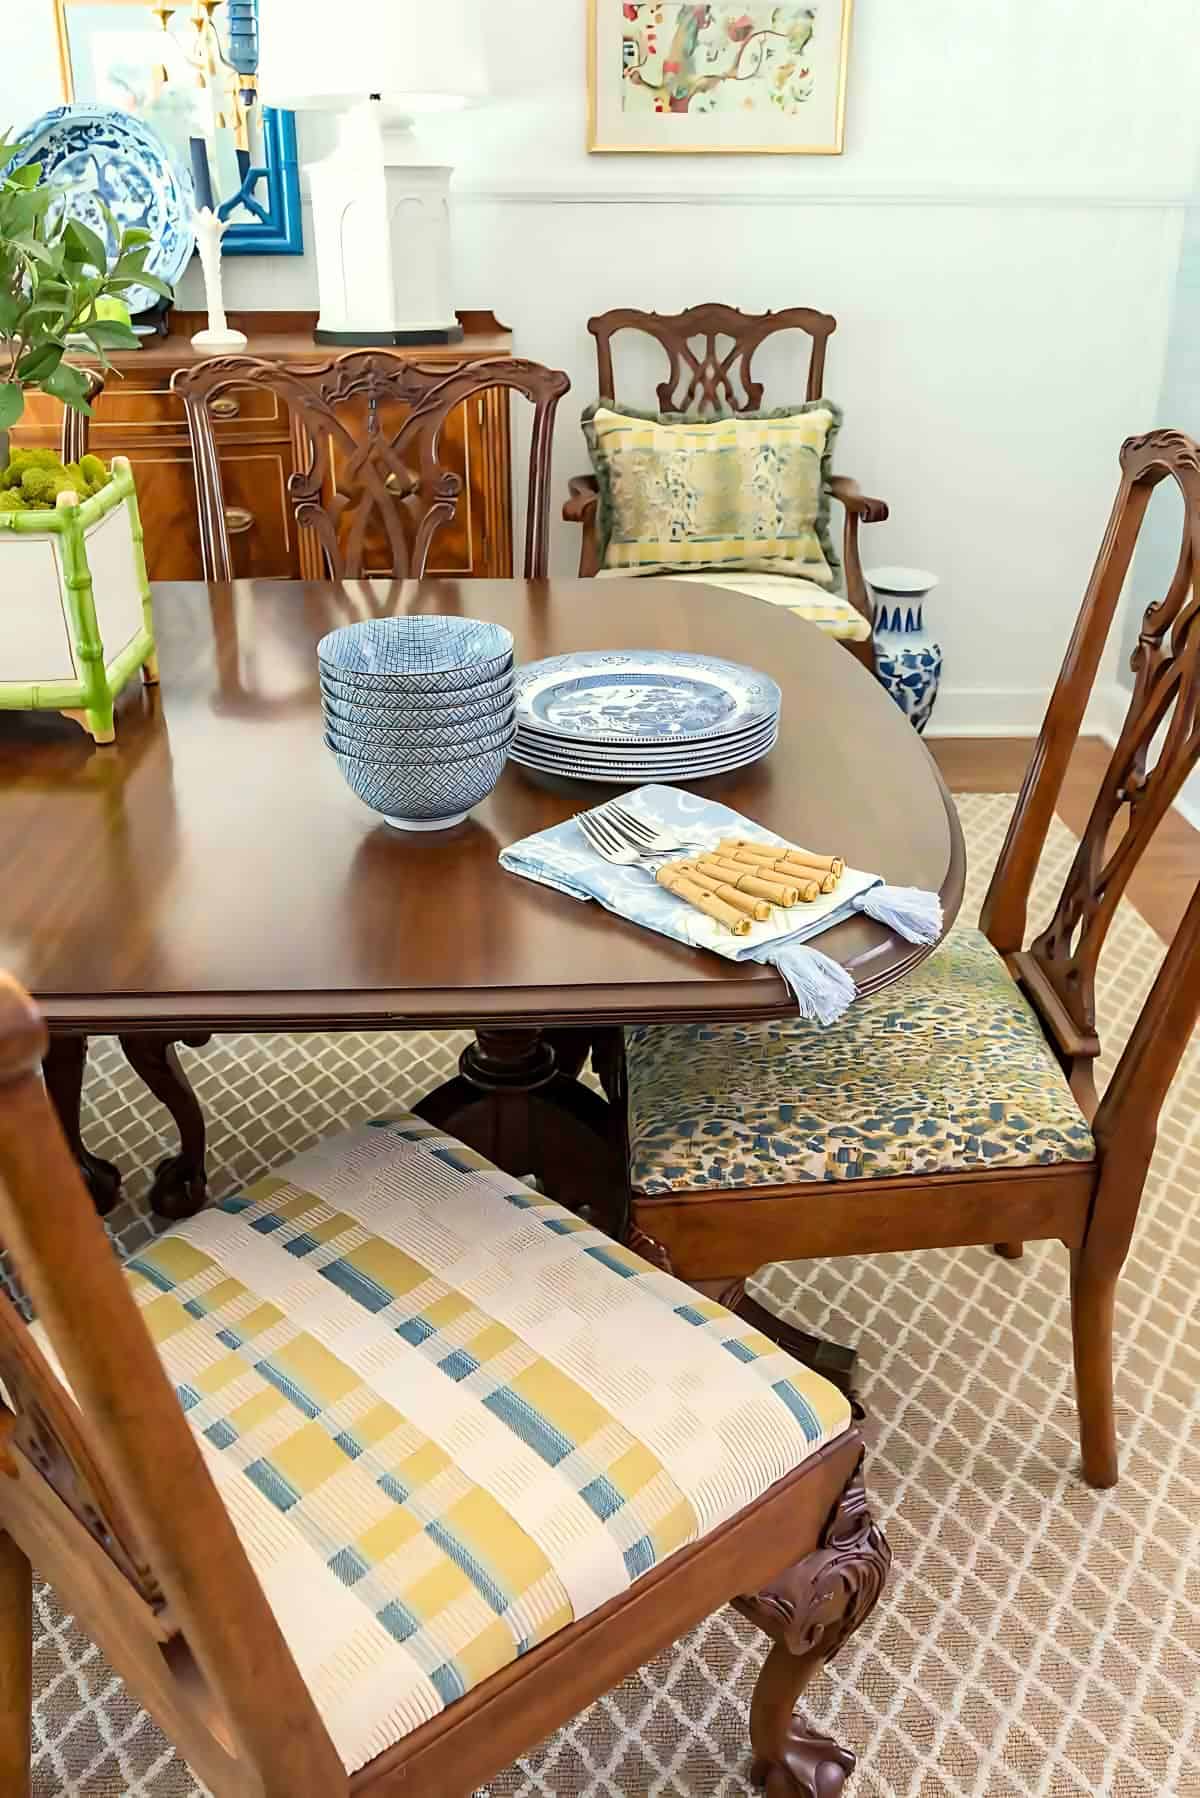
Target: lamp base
389, 339
381, 232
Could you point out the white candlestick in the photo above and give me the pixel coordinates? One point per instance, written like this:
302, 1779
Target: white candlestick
209, 232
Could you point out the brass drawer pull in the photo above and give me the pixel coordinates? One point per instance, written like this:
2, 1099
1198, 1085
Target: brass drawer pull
227, 408
238, 519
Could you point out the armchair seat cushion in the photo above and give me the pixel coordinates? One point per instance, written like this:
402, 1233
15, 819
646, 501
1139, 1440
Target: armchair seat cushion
944, 1072
804, 599
448, 1418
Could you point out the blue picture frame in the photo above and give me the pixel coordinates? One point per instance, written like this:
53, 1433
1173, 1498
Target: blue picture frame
277, 228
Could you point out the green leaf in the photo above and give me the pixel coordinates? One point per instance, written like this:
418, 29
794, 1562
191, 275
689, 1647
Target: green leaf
10, 312
145, 279
68, 385
135, 237
12, 404
110, 334
83, 245
40, 362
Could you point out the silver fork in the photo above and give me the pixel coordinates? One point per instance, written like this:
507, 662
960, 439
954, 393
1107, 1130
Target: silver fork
638, 832
608, 843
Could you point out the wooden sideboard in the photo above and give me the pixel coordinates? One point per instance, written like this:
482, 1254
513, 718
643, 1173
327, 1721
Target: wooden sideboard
138, 416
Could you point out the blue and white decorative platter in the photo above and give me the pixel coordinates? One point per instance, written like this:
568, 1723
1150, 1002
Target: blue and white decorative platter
642, 698
101, 154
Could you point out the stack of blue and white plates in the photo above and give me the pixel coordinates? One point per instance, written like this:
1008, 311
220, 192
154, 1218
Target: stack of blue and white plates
626, 717
419, 714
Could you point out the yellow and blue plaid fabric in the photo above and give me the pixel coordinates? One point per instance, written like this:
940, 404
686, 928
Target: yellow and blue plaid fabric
448, 1418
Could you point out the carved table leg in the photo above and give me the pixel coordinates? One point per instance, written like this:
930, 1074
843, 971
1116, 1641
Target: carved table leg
180, 1181
63, 1069
513, 1103
810, 1612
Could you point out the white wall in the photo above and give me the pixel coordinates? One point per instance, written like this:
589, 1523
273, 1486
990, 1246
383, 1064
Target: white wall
999, 242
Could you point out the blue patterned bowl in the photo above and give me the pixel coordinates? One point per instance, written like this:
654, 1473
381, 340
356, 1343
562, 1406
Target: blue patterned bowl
385, 746
417, 655
423, 796
356, 705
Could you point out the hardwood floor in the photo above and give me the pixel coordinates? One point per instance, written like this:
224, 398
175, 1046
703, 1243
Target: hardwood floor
1166, 876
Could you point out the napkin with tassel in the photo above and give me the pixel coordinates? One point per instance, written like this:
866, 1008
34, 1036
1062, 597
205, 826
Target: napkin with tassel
562, 858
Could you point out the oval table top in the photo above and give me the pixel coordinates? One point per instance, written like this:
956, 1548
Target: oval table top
211, 870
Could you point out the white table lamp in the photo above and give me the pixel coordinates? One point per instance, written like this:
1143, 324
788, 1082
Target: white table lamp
381, 209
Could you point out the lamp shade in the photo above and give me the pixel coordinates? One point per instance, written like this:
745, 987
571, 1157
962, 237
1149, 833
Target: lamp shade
422, 55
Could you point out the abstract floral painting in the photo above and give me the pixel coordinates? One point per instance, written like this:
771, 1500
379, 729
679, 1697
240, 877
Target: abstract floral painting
725, 76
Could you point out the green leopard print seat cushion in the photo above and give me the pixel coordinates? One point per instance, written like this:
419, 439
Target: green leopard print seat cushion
946, 1071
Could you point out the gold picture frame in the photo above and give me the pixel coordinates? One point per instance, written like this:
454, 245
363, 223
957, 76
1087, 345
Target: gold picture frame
605, 20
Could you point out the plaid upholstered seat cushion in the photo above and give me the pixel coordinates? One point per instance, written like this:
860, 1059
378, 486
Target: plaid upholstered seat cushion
447, 1418
947, 1070
828, 610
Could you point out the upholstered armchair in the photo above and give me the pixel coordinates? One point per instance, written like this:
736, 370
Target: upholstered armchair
710, 350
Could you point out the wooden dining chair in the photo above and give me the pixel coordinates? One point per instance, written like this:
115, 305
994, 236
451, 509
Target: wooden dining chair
373, 485
960, 1107
374, 1474
710, 351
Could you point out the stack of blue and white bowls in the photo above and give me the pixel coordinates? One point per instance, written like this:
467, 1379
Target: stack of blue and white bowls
419, 714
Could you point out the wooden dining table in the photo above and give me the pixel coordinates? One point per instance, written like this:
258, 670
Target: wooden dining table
211, 872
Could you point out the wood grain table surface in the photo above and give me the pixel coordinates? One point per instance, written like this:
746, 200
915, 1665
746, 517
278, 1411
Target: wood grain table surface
211, 870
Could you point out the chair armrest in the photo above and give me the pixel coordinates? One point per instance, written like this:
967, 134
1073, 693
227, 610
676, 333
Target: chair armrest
584, 498
581, 508
851, 495
860, 510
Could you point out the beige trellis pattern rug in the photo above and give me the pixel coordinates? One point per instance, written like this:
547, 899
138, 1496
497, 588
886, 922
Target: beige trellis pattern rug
1038, 1640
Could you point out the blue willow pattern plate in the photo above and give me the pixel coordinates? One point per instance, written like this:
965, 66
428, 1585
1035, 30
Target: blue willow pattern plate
101, 154
652, 696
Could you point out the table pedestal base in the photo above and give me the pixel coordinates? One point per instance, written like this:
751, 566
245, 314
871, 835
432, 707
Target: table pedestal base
513, 1102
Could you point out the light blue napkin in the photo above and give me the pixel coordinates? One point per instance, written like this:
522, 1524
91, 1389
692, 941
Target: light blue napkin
562, 858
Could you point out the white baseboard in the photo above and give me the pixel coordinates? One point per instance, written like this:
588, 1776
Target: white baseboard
1013, 712
1018, 712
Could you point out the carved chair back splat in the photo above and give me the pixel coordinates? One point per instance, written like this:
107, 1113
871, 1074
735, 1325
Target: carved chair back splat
1091, 1206
711, 351
391, 480
108, 1495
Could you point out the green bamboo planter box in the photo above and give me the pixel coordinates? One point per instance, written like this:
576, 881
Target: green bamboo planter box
75, 619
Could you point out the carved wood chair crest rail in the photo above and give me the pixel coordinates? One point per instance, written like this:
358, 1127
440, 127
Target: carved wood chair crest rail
104, 1488
1086, 1193
710, 351
373, 425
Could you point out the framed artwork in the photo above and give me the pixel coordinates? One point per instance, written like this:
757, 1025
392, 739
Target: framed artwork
731, 77
189, 70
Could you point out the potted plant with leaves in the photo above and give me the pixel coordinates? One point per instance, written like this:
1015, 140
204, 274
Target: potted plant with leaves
75, 620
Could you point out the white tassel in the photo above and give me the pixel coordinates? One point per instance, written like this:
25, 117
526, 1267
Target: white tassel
822, 988
912, 914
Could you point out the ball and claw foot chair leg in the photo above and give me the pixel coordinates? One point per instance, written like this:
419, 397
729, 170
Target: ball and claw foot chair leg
810, 1612
16, 1666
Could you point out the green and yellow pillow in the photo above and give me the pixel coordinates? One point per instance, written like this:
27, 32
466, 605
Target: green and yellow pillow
746, 493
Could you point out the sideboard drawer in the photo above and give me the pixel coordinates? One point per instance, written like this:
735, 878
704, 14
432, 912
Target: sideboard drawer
135, 407
262, 528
